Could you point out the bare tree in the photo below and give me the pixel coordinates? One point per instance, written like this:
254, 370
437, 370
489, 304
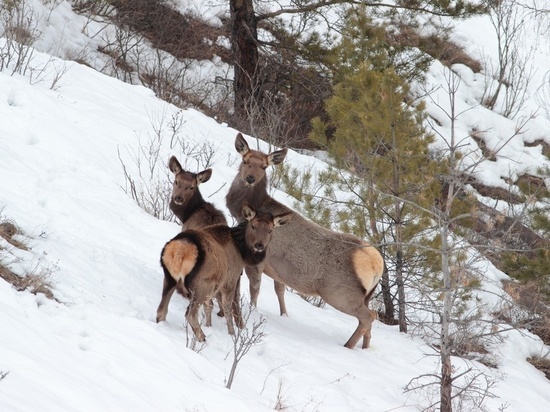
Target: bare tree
507, 83
146, 174
245, 339
19, 25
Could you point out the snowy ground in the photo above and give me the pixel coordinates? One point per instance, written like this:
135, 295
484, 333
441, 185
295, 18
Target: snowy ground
98, 347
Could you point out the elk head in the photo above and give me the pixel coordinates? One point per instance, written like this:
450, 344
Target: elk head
254, 163
185, 184
260, 227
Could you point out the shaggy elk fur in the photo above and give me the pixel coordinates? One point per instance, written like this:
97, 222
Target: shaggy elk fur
187, 203
341, 268
208, 262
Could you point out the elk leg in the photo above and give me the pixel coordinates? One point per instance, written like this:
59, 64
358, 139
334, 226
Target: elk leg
236, 305
220, 311
254, 274
192, 316
168, 288
227, 297
280, 289
208, 305
365, 317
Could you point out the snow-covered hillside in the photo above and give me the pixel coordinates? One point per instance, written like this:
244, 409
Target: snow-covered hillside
98, 346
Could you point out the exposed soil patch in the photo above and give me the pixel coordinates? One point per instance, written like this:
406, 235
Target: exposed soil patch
487, 153
497, 193
544, 144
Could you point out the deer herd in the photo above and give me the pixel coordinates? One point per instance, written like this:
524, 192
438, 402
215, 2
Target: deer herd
206, 259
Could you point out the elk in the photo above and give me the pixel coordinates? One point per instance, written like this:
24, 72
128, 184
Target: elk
186, 201
340, 268
208, 262
188, 205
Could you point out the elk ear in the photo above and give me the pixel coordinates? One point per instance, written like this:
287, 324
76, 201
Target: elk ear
203, 176
282, 219
248, 212
241, 145
174, 165
276, 157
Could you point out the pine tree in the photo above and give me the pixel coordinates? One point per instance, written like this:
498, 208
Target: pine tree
379, 138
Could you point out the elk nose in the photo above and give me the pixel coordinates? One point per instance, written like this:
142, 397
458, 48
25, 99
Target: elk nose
259, 247
178, 199
250, 179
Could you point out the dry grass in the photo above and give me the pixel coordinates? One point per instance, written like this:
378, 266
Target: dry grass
542, 364
532, 185
527, 295
38, 280
34, 282
8, 230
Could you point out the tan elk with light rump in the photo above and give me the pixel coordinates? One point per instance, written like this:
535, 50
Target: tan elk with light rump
188, 205
208, 262
340, 268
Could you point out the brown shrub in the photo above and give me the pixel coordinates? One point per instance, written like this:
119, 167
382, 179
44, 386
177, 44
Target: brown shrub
7, 230
542, 364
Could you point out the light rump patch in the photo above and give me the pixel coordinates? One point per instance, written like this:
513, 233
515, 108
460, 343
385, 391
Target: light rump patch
368, 265
180, 258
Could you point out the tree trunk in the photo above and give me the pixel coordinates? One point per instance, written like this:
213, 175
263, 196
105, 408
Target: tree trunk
400, 289
244, 43
389, 310
445, 355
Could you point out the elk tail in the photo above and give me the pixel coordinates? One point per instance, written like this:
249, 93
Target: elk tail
369, 266
182, 257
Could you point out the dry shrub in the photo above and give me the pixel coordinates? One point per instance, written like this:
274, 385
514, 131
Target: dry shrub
316, 301
541, 328
8, 230
38, 280
542, 364
167, 29
527, 295
35, 283
532, 185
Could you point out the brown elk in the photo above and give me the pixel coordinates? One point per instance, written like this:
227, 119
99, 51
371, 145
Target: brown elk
188, 205
186, 201
341, 268
208, 262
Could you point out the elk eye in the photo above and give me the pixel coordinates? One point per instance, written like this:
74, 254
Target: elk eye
253, 227
264, 167
192, 188
270, 230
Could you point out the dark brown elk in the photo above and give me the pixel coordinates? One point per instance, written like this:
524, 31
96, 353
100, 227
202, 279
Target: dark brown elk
340, 268
188, 205
208, 262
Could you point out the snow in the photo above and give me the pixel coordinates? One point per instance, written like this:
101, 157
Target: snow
98, 347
